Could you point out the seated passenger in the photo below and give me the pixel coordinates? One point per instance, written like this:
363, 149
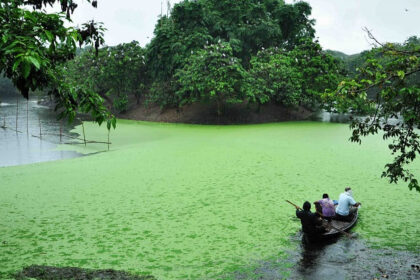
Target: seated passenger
311, 223
327, 207
344, 211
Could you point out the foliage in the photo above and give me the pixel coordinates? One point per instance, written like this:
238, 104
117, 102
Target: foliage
121, 103
114, 73
396, 109
294, 78
212, 75
320, 71
33, 43
350, 62
162, 93
273, 78
247, 26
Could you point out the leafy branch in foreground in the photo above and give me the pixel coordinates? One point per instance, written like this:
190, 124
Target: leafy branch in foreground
33, 44
392, 76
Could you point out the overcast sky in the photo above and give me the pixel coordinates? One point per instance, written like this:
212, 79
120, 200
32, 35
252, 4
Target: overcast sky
339, 23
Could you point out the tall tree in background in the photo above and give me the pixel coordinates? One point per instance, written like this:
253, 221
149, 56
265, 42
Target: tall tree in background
395, 109
34, 43
212, 75
248, 26
116, 73
294, 78
320, 71
273, 78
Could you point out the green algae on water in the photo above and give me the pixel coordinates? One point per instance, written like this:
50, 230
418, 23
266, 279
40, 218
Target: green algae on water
188, 201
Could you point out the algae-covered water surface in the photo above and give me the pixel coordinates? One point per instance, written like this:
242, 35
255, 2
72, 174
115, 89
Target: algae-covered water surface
198, 202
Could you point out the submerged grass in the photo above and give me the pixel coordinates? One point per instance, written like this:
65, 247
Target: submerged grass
200, 202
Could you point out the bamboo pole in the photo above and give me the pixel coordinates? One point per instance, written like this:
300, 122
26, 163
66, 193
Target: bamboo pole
84, 135
17, 111
61, 130
40, 129
27, 116
4, 122
108, 138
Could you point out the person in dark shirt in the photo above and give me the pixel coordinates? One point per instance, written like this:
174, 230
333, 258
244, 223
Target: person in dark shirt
311, 222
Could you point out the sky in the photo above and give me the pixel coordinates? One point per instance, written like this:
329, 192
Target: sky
339, 23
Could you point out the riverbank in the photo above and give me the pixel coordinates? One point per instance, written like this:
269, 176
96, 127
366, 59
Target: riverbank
194, 202
199, 113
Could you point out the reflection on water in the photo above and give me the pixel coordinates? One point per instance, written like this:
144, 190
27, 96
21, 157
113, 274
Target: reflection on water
24, 145
325, 116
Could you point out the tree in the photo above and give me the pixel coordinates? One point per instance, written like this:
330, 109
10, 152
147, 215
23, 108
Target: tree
395, 110
115, 73
297, 77
34, 43
273, 78
247, 26
320, 71
212, 75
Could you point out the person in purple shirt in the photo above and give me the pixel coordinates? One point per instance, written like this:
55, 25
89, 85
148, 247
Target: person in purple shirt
327, 206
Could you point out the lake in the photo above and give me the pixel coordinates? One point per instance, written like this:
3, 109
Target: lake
24, 146
207, 202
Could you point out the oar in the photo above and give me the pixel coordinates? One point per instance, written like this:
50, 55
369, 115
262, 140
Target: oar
297, 207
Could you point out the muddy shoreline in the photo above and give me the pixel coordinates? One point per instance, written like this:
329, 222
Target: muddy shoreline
340, 258
40, 272
205, 114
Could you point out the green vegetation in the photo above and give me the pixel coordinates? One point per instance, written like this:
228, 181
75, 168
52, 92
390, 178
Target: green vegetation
33, 45
386, 88
193, 202
212, 75
211, 51
113, 73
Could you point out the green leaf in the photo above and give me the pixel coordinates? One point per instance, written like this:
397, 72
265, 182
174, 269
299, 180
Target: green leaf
49, 35
34, 61
26, 70
114, 122
16, 64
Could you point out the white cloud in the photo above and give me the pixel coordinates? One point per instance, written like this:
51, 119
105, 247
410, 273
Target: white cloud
340, 23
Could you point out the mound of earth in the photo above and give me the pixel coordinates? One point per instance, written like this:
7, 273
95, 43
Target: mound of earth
198, 113
66, 273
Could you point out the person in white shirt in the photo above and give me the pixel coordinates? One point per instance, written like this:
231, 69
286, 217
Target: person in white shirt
344, 211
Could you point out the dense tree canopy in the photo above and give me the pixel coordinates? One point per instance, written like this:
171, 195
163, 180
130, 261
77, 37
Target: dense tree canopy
273, 78
212, 74
116, 73
34, 43
248, 26
217, 52
220, 52
390, 73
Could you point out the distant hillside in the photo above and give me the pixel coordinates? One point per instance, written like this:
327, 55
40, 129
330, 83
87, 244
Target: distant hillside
351, 62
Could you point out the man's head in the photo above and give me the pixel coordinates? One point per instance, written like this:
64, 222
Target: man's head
325, 195
349, 191
306, 206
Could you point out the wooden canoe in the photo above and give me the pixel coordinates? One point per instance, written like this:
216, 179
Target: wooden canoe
343, 225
